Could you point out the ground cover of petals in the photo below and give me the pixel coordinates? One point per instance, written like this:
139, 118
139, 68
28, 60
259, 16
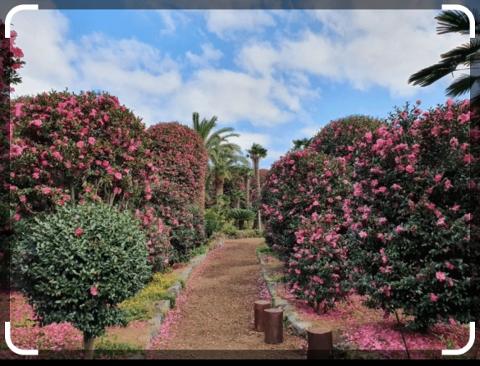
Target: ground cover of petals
214, 314
360, 328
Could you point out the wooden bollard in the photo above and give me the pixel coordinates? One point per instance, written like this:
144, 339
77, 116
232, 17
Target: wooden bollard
320, 343
259, 316
273, 325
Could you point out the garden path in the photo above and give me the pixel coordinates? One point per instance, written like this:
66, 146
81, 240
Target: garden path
216, 317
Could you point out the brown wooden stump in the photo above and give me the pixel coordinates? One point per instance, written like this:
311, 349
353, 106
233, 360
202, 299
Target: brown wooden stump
273, 325
320, 343
259, 317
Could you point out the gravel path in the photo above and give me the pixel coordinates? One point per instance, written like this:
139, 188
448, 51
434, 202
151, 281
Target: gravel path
214, 315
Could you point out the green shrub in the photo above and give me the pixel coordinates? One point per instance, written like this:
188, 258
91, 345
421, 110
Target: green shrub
229, 229
241, 215
214, 221
77, 264
142, 305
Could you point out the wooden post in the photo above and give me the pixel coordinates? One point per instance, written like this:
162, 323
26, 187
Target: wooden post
320, 343
273, 325
259, 317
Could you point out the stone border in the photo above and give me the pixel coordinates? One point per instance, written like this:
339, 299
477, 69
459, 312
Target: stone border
290, 315
164, 306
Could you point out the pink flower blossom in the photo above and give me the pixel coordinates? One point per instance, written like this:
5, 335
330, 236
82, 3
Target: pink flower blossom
410, 169
94, 290
91, 140
433, 297
36, 123
362, 234
447, 184
396, 187
80, 144
454, 142
440, 276
78, 232
468, 159
449, 265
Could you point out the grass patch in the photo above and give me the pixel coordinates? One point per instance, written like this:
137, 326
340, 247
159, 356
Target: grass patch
264, 249
108, 348
142, 305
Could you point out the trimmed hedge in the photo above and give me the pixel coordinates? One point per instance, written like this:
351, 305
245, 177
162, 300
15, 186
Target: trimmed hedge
179, 161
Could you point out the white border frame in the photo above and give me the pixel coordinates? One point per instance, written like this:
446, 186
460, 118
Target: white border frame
12, 12
467, 12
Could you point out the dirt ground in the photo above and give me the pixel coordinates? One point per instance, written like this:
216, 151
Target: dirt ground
216, 316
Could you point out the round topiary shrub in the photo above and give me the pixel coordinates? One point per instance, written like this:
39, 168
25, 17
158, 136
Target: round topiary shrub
413, 236
339, 136
77, 264
70, 147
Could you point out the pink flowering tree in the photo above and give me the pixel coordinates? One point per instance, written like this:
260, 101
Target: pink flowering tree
414, 236
290, 193
10, 61
178, 161
338, 137
317, 269
82, 147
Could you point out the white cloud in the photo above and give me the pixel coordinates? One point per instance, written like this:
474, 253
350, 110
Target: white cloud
208, 56
48, 53
225, 23
235, 97
246, 139
364, 47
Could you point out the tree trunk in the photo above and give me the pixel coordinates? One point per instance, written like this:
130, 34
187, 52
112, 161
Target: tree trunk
247, 192
219, 182
88, 343
257, 181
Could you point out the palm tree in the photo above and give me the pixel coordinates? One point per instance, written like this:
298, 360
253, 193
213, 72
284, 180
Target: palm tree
464, 57
256, 153
205, 128
224, 159
245, 172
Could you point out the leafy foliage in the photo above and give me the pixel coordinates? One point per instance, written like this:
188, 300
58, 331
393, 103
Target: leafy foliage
179, 162
413, 208
338, 136
77, 264
391, 213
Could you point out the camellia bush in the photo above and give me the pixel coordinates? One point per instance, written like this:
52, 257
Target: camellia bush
69, 147
82, 147
317, 269
413, 238
10, 62
338, 137
301, 183
77, 264
177, 187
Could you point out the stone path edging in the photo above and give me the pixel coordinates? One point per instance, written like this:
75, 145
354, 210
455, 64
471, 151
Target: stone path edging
290, 315
164, 306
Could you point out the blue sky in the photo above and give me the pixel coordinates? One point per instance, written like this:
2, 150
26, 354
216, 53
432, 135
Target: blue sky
274, 76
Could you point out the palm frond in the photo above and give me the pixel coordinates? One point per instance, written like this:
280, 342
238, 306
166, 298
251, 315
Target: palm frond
461, 85
429, 75
453, 21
